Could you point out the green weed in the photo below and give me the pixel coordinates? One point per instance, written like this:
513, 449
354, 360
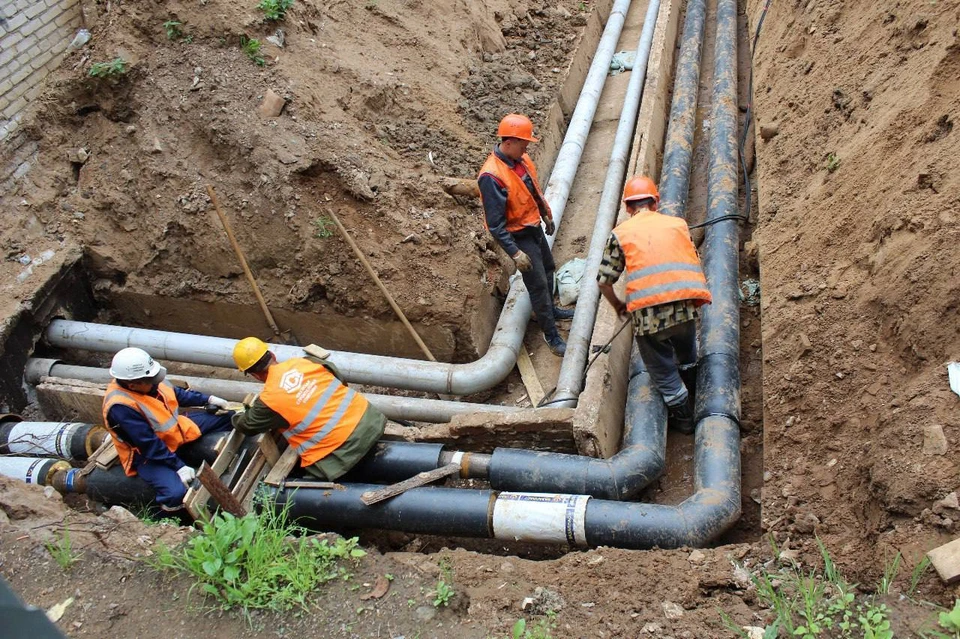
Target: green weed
258, 561
114, 68
833, 162
274, 9
442, 594
889, 575
251, 47
172, 28
950, 621
324, 226
541, 630
62, 551
917, 574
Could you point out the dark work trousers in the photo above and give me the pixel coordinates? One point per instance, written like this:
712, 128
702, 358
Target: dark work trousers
539, 279
665, 354
164, 480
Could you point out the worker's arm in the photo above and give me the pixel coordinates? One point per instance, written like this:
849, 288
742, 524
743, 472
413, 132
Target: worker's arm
187, 397
611, 268
259, 418
494, 197
132, 427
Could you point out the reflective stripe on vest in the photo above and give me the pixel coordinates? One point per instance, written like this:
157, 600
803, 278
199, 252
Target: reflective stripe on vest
156, 425
522, 209
321, 411
662, 265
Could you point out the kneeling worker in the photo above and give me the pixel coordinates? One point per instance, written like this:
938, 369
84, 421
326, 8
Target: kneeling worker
330, 425
142, 414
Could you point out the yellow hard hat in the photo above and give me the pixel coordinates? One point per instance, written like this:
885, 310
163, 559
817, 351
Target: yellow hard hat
248, 352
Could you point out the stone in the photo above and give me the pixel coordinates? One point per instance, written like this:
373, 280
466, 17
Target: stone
754, 632
652, 628
948, 502
119, 514
697, 557
934, 441
272, 104
426, 613
157, 147
805, 344
78, 156
769, 131
672, 610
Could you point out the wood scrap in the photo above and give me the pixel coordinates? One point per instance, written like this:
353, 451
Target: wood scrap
420, 479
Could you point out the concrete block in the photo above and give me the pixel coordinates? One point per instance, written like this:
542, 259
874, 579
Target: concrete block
946, 560
35, 9
15, 22
6, 57
71, 399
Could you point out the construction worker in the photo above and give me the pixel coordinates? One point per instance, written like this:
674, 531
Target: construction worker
665, 287
330, 425
513, 206
142, 414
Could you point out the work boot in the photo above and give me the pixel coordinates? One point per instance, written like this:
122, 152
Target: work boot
557, 346
562, 313
680, 417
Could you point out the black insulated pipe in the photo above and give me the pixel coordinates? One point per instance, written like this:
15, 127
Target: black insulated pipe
395, 461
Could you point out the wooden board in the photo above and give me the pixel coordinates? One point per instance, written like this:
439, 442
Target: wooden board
420, 479
946, 559
219, 491
282, 468
268, 445
71, 400
529, 377
195, 500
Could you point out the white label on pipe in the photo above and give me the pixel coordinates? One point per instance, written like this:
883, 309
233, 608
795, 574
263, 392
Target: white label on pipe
541, 517
457, 458
23, 468
42, 438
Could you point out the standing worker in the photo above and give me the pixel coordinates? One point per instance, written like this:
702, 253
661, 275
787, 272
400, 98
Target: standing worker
513, 206
142, 414
330, 425
665, 288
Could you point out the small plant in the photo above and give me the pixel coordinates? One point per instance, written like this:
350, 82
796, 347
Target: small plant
324, 227
173, 30
442, 594
950, 621
114, 68
889, 574
833, 162
274, 9
582, 6
62, 551
258, 561
541, 630
251, 47
370, 5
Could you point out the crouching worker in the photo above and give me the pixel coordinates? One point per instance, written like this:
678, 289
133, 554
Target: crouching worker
330, 425
142, 414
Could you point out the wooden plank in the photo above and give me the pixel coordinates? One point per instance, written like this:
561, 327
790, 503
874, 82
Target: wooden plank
282, 468
529, 377
195, 500
420, 479
71, 400
946, 559
268, 445
311, 484
211, 482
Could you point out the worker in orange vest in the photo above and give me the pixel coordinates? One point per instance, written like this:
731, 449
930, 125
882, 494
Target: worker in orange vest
513, 206
330, 425
665, 288
142, 414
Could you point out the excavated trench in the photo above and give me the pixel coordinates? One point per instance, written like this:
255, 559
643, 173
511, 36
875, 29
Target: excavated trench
69, 293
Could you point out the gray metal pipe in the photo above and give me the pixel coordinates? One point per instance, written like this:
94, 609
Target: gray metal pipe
580, 519
394, 372
394, 407
570, 380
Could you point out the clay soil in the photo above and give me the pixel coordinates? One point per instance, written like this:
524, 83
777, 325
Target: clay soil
855, 236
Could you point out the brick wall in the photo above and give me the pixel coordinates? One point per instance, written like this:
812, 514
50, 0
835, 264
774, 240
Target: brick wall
34, 35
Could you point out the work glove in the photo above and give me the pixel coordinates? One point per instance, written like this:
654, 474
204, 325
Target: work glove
522, 260
187, 475
219, 402
550, 226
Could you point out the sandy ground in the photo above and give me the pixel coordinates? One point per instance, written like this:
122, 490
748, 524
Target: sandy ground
855, 241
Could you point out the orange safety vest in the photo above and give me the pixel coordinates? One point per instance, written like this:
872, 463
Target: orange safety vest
320, 410
662, 264
163, 415
522, 209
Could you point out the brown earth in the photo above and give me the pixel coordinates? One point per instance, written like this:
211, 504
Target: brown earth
856, 215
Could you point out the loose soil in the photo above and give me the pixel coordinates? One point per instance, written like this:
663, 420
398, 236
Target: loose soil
855, 239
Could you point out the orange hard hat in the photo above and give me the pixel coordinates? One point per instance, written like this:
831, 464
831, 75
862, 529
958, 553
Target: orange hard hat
518, 126
640, 187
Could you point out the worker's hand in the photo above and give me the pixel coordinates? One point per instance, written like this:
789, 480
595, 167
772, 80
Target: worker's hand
522, 260
551, 227
621, 309
219, 402
250, 399
187, 475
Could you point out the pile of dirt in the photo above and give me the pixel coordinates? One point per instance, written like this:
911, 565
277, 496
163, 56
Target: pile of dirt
371, 122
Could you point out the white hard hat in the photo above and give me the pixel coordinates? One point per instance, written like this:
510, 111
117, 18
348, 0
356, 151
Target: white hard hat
134, 363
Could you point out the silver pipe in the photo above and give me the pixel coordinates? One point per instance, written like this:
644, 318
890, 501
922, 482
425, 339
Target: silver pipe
394, 372
570, 380
407, 408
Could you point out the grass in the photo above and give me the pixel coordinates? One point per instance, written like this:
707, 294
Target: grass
251, 47
259, 561
111, 69
274, 9
173, 30
62, 551
324, 227
443, 592
833, 162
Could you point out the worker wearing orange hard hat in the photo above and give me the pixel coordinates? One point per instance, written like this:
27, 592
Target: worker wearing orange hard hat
514, 206
330, 425
665, 287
